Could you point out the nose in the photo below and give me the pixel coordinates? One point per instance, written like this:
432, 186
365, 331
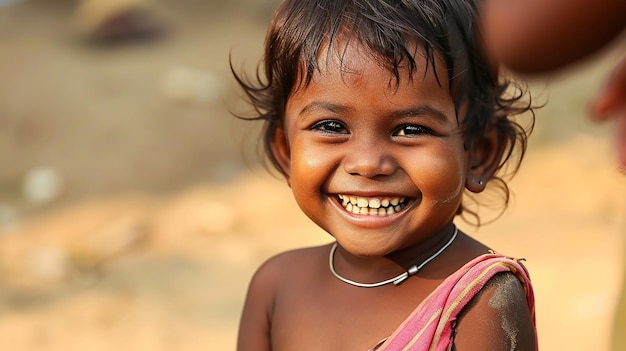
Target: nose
369, 159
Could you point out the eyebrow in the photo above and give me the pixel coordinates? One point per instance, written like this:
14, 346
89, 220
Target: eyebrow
324, 106
412, 111
420, 110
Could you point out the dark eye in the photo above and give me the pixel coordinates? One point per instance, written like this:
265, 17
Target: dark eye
329, 126
412, 129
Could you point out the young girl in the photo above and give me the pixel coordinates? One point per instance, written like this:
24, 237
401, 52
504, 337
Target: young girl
380, 113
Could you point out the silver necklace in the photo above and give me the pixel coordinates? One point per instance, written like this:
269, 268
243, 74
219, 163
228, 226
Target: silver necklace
395, 280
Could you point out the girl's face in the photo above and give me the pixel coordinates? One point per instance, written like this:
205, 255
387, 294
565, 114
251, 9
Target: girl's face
379, 165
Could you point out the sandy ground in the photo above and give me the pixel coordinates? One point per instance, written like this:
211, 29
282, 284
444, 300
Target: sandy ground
151, 225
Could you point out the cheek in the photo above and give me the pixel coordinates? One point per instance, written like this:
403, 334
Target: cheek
455, 186
305, 159
443, 178
310, 166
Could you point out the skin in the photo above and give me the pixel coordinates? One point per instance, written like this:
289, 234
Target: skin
359, 134
610, 103
536, 37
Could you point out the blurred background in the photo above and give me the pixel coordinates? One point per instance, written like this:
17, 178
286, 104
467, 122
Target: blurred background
133, 210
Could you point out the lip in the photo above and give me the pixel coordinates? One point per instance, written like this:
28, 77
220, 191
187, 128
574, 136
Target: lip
368, 221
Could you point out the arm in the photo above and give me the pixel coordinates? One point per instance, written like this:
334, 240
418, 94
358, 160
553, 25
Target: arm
537, 36
254, 327
498, 318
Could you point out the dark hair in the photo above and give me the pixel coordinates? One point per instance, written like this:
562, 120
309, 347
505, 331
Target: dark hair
448, 29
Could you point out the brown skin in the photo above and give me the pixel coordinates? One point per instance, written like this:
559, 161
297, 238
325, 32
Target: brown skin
537, 37
294, 303
354, 134
611, 103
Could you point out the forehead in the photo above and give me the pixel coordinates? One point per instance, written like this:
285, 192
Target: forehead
351, 63
354, 82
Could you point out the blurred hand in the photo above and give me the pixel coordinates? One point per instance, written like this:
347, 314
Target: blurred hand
611, 103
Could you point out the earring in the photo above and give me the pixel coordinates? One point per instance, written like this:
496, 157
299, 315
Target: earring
481, 182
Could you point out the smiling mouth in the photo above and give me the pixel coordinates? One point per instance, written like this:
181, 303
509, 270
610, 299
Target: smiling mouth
372, 206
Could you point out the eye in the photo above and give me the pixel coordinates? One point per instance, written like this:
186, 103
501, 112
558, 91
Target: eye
412, 129
329, 126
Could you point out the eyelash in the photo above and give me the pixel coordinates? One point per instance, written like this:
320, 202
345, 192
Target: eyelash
329, 126
417, 130
336, 127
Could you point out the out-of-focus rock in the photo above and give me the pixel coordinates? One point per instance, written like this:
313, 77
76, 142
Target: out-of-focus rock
42, 185
113, 21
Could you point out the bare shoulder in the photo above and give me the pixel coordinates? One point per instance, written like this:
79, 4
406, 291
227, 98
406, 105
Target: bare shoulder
272, 272
498, 318
254, 328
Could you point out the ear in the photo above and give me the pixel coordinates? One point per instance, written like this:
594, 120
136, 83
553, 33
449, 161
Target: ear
282, 152
484, 156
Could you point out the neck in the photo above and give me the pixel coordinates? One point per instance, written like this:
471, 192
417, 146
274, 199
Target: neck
415, 254
373, 269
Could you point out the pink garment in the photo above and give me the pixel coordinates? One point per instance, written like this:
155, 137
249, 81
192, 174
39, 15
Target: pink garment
430, 325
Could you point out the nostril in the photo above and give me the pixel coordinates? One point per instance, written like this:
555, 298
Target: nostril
370, 164
363, 174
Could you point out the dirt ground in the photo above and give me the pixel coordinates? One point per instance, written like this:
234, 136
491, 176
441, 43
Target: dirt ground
129, 219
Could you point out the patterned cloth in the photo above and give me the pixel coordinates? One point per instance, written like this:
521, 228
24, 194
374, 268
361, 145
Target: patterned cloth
430, 326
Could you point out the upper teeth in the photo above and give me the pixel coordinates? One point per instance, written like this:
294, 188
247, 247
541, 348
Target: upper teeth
372, 206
